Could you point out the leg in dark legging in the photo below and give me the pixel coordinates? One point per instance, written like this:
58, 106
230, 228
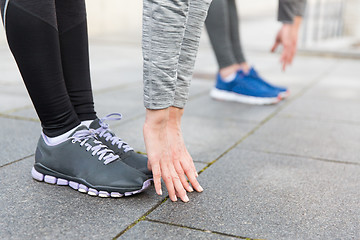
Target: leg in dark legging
72, 26
218, 28
33, 38
234, 32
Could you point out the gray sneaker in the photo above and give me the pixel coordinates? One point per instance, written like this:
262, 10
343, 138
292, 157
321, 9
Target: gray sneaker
87, 165
121, 148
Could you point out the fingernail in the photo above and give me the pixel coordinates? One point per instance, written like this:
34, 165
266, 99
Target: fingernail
175, 199
191, 189
186, 198
160, 192
200, 188
196, 174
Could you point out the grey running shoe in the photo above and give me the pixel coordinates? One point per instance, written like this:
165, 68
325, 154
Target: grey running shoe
87, 165
121, 148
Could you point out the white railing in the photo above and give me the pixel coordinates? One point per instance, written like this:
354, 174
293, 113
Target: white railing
324, 19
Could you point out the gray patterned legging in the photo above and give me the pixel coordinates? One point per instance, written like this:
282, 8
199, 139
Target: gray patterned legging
171, 34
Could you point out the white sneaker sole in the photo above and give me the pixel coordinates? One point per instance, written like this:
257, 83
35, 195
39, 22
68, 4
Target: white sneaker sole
82, 188
284, 95
235, 97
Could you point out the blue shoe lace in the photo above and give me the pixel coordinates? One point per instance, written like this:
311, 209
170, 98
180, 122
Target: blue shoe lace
254, 74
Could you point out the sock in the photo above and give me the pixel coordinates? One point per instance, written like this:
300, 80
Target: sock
51, 141
229, 78
86, 123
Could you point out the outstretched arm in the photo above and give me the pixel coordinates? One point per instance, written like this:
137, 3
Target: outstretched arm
290, 14
171, 33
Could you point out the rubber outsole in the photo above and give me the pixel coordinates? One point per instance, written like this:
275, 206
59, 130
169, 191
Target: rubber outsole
284, 94
83, 188
235, 97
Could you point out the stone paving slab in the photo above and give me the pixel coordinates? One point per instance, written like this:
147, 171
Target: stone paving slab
199, 87
24, 112
324, 108
126, 99
268, 196
112, 65
311, 138
206, 139
206, 107
8, 64
10, 76
36, 210
18, 139
334, 98
10, 102
151, 230
300, 73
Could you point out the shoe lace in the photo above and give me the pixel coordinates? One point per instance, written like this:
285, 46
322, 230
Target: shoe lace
102, 151
253, 80
104, 131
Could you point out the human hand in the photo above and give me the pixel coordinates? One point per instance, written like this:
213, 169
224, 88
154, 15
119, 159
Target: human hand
287, 36
163, 159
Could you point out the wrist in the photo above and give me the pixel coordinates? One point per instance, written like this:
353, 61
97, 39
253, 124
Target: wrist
156, 118
297, 22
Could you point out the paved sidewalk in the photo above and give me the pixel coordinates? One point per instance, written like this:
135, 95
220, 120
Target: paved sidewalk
287, 171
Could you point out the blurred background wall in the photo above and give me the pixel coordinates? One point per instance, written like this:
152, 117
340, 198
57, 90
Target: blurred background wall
328, 23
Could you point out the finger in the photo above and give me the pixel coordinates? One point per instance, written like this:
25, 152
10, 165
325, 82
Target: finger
157, 178
180, 173
276, 44
194, 182
176, 182
191, 162
191, 173
293, 54
183, 180
290, 56
283, 61
192, 178
180, 191
192, 165
286, 61
286, 56
168, 179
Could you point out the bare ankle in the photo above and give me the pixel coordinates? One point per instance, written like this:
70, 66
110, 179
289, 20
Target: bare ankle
229, 70
244, 67
175, 115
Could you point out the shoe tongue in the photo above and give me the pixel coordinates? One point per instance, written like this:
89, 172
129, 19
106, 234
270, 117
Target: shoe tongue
253, 72
81, 127
95, 124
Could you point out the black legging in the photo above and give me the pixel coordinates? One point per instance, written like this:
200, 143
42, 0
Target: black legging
222, 25
50, 44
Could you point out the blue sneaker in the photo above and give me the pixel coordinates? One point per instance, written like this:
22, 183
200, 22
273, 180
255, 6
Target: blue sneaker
244, 89
283, 91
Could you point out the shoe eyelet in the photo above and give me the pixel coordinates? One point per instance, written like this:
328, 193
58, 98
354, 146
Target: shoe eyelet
73, 141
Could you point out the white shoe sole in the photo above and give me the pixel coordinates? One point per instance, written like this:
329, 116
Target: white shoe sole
235, 97
84, 189
284, 95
